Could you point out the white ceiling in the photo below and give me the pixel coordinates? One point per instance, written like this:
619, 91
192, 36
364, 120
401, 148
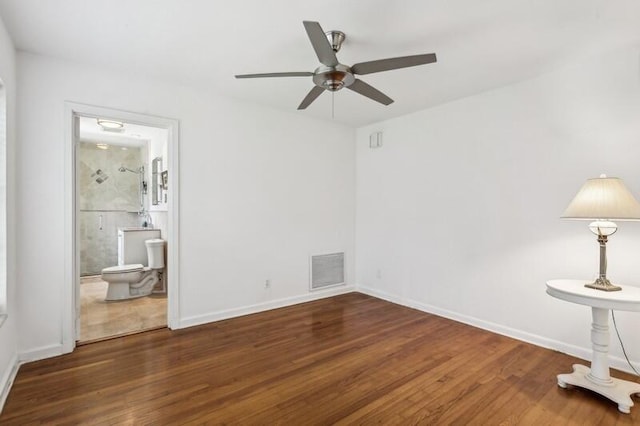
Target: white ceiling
203, 43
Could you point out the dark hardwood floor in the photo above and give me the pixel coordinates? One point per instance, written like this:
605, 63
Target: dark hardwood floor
351, 359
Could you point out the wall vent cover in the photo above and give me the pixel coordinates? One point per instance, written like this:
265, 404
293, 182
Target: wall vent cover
327, 270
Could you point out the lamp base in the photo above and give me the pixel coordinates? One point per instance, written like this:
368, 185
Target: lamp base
603, 284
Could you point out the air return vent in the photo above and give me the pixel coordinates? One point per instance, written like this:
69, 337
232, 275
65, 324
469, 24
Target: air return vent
327, 270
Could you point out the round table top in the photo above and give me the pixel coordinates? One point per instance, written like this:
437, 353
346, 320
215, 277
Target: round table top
627, 299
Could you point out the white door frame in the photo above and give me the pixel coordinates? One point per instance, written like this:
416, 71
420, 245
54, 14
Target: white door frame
71, 232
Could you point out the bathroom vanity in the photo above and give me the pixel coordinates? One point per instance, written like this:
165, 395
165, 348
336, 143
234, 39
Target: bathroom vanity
131, 248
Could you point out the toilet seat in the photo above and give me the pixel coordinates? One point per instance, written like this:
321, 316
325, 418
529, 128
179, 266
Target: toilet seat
121, 269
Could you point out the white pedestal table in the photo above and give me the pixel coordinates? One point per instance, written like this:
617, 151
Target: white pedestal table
597, 377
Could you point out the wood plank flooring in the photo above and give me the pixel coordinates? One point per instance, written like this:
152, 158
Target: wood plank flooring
350, 359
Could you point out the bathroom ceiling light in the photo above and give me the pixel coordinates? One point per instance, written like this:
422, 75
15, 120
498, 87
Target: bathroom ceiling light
110, 124
102, 146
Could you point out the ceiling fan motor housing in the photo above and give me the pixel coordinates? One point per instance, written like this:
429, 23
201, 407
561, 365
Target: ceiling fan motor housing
333, 78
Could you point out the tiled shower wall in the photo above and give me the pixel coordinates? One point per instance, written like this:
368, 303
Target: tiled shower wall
99, 245
108, 199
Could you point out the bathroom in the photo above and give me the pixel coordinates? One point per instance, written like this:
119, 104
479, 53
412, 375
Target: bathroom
121, 186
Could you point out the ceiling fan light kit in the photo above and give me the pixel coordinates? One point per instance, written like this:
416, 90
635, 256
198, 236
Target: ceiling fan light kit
332, 76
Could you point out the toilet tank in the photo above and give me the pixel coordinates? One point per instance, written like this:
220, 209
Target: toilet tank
155, 253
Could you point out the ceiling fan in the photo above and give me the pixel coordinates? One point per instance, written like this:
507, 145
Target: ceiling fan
331, 75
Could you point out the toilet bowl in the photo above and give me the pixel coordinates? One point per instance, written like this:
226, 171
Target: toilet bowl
135, 280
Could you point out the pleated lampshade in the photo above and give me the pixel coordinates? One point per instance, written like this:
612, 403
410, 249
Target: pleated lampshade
605, 198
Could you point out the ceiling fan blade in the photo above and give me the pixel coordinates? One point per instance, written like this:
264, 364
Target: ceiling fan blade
393, 63
320, 44
276, 74
370, 92
311, 96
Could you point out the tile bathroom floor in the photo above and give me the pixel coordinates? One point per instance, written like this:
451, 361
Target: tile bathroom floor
102, 320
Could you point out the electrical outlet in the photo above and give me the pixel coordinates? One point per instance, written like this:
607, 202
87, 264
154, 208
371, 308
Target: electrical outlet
379, 273
267, 284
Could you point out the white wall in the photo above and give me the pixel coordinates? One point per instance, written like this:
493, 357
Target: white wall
259, 191
458, 212
8, 330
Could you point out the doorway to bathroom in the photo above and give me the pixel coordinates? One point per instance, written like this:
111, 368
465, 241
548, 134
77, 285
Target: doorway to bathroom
124, 220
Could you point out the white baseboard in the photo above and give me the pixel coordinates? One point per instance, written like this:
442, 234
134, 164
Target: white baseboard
576, 351
265, 306
41, 353
7, 380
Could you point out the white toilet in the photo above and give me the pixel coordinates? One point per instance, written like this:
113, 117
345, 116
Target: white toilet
130, 281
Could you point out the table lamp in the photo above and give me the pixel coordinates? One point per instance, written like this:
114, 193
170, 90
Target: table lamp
602, 200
